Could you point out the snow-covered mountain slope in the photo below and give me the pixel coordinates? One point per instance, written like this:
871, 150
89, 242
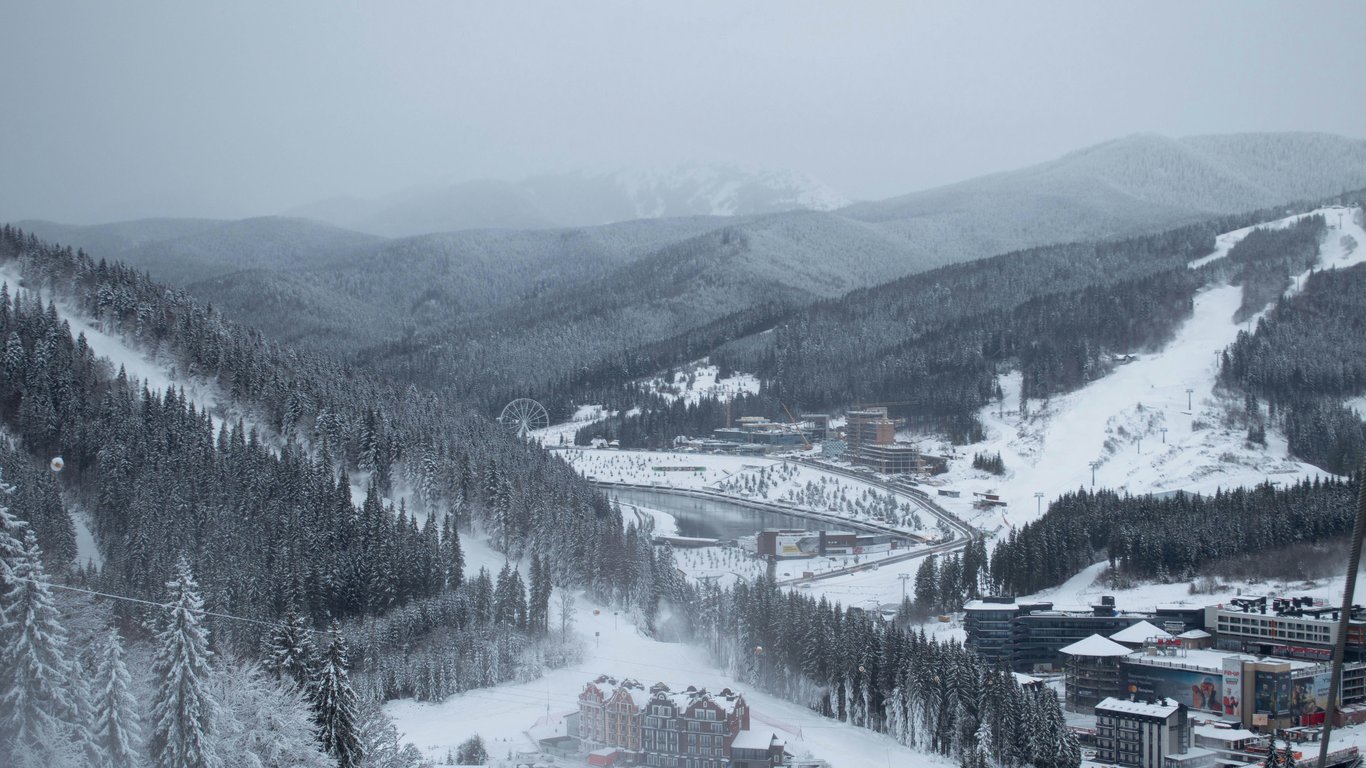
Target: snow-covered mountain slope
1153, 425
1126, 186
511, 716
579, 199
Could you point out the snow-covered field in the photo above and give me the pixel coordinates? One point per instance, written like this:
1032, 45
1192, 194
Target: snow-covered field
511, 717
699, 379
1152, 425
751, 477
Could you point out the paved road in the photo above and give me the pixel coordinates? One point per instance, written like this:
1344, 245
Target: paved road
963, 532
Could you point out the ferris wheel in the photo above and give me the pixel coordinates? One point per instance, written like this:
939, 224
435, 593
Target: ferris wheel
525, 416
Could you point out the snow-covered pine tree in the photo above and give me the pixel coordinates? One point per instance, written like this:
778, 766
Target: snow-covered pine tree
334, 704
38, 709
116, 730
452, 556
11, 553
182, 709
262, 722
472, 751
291, 654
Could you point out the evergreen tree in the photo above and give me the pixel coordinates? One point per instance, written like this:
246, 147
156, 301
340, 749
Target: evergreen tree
472, 751
182, 709
291, 654
116, 730
452, 556
334, 704
38, 708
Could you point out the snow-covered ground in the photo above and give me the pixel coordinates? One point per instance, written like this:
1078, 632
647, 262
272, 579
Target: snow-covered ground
1118, 422
158, 375
754, 477
699, 379
691, 383
1152, 425
510, 717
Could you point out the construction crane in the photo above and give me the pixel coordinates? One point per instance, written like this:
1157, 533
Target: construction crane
800, 433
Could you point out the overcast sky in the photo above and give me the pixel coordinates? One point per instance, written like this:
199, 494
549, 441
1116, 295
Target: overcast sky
118, 110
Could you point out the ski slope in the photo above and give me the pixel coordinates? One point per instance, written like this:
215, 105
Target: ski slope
1118, 421
1156, 424
512, 716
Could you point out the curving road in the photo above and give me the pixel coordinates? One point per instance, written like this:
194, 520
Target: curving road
963, 532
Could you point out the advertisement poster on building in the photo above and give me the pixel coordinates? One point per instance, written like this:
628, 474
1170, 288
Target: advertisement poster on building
1197, 690
1271, 691
1309, 697
1233, 687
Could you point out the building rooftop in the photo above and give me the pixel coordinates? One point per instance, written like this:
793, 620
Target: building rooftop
1197, 755
983, 605
1209, 661
754, 740
1194, 634
1212, 661
1096, 645
1136, 634
1121, 706
1224, 735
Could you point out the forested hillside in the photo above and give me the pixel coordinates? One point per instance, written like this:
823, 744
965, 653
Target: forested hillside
933, 343
488, 315
267, 528
1303, 360
846, 664
1176, 537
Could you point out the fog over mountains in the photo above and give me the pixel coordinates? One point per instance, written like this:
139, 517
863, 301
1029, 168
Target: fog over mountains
576, 199
305, 280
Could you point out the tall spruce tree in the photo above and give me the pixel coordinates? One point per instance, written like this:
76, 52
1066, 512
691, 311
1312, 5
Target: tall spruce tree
38, 708
116, 730
182, 709
291, 655
334, 704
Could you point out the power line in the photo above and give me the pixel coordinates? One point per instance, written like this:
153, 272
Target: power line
128, 599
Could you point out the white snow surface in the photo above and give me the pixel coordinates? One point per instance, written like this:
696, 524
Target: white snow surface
509, 716
704, 383
1117, 421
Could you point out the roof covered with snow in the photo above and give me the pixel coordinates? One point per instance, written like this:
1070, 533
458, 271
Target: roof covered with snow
754, 740
1194, 634
1208, 661
1136, 634
1120, 706
1223, 735
1096, 645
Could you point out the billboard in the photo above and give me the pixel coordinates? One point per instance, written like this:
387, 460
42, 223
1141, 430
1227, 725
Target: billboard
1233, 687
1309, 695
1195, 689
794, 544
1271, 692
